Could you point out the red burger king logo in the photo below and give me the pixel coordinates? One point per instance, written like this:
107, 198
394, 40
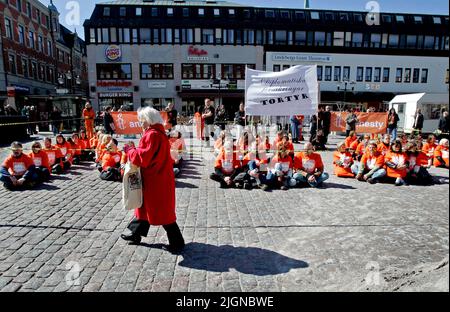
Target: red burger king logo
113, 53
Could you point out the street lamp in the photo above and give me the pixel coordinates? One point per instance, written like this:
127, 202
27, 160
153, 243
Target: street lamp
345, 86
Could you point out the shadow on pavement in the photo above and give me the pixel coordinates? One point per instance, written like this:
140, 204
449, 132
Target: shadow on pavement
59, 178
328, 185
46, 187
247, 260
179, 184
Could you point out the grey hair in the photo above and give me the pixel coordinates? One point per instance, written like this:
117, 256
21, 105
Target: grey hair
150, 115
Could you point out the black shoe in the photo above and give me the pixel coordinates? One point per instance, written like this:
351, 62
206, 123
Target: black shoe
371, 181
264, 187
247, 186
284, 188
133, 238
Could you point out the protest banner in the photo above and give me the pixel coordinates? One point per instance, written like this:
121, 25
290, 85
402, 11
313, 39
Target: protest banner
294, 91
375, 123
127, 123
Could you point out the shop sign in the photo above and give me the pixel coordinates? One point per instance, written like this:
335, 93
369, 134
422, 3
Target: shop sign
115, 95
373, 86
107, 84
62, 91
21, 89
157, 85
301, 58
113, 53
196, 52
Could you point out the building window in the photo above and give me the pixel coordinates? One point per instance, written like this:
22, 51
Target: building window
416, 75
368, 74
269, 37
358, 17
387, 19
113, 35
138, 11
34, 70
319, 73
328, 70
216, 12
276, 68
315, 15
145, 35
437, 20
300, 38
270, 13
40, 44
29, 11
154, 12
231, 12
38, 13
12, 64
338, 38
286, 67
123, 11
187, 71
359, 74
407, 75
375, 40
187, 35
418, 19
208, 36
233, 71
176, 36
185, 12
92, 35
319, 39
300, 15
357, 40
8, 27
280, 37
411, 41
19, 5
156, 71
134, 35
346, 73
31, 39
247, 14
284, 14
201, 12
424, 76
42, 72
377, 74
393, 41
106, 11
169, 11
337, 73
25, 68
21, 35
399, 75
386, 74
114, 72
428, 42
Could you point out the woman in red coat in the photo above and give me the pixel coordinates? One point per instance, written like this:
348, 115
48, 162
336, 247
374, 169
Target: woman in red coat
158, 182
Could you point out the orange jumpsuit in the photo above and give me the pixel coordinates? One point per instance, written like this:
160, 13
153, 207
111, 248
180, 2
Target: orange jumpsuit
89, 116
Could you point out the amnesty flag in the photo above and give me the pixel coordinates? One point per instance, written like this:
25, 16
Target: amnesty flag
294, 91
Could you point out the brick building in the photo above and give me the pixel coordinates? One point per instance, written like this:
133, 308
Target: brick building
44, 62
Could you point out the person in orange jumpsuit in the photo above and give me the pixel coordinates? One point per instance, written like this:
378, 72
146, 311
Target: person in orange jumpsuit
227, 166
111, 163
397, 163
89, 118
66, 151
309, 167
86, 153
18, 170
40, 160
441, 155
55, 157
418, 165
343, 161
371, 168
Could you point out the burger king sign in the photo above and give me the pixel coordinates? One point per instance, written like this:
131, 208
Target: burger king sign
113, 53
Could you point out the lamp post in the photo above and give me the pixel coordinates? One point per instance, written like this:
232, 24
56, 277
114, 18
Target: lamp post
345, 86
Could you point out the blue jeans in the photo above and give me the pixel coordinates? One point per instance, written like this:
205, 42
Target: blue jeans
392, 133
380, 173
319, 180
295, 132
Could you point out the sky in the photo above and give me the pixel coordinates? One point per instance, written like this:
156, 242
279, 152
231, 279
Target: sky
85, 7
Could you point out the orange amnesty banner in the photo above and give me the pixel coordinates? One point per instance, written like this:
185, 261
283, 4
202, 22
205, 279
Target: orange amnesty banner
127, 122
368, 122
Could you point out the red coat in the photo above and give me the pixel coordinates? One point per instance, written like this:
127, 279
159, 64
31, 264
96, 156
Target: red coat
153, 157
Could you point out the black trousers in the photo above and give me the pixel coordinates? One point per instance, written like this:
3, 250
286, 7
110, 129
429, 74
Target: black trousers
141, 228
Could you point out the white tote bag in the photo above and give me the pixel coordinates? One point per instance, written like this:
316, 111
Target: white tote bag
132, 187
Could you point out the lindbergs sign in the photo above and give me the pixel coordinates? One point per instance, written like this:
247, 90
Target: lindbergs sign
113, 53
294, 91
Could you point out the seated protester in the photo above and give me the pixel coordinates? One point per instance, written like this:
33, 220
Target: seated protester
404, 139
101, 148
429, 147
93, 142
40, 160
55, 157
65, 149
177, 150
76, 149
280, 172
309, 167
361, 149
219, 143
441, 155
371, 166
397, 163
244, 144
87, 154
418, 164
18, 170
319, 141
343, 162
278, 139
267, 144
289, 145
350, 139
254, 165
227, 166
111, 163
385, 145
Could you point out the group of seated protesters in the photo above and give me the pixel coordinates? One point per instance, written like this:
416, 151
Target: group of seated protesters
24, 171
255, 163
404, 161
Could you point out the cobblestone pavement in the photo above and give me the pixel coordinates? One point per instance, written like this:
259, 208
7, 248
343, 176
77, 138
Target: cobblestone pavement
65, 235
